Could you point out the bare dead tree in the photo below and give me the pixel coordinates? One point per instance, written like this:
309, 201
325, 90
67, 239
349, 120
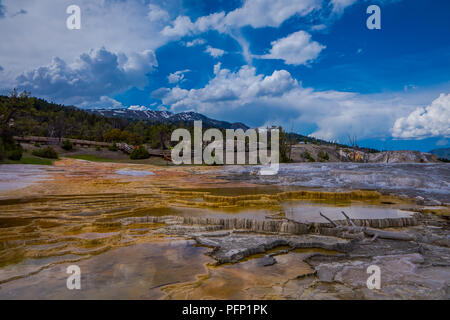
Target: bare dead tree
353, 142
291, 138
352, 231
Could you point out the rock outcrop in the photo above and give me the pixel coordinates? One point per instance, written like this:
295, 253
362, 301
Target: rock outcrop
236, 246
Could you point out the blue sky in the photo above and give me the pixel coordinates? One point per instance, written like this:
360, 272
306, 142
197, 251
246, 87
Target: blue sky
310, 65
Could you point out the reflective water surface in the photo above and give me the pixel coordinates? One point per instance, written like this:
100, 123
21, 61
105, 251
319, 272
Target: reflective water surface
71, 213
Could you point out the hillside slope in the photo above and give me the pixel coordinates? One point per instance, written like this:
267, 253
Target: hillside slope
331, 153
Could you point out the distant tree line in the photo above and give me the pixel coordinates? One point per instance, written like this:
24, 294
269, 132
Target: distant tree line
21, 115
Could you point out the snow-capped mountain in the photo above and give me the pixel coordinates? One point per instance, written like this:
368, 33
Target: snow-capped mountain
145, 114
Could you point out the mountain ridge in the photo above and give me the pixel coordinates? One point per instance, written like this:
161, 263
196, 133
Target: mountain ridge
163, 116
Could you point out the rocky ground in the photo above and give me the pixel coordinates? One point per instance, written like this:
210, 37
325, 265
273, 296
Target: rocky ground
89, 213
410, 269
310, 152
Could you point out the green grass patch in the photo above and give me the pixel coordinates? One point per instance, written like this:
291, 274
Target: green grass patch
47, 152
89, 157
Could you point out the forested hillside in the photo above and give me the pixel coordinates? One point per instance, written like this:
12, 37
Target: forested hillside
24, 115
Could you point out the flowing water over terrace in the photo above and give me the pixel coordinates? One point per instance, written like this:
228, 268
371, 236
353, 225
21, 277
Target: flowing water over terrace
413, 179
125, 227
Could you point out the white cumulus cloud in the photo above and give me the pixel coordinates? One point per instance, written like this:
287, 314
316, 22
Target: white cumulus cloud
156, 13
104, 102
431, 121
177, 76
227, 86
255, 13
295, 49
137, 108
195, 42
279, 99
93, 75
120, 26
214, 52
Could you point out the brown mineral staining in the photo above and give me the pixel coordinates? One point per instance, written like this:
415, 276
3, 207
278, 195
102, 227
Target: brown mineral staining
205, 237
248, 279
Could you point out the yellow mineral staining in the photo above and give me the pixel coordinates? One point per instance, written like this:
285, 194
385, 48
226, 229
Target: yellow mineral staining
272, 201
440, 211
80, 211
297, 195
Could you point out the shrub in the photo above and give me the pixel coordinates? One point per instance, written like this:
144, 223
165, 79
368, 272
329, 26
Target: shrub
113, 148
2, 150
67, 145
308, 157
139, 153
15, 154
113, 135
37, 145
9, 148
48, 152
323, 156
97, 148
